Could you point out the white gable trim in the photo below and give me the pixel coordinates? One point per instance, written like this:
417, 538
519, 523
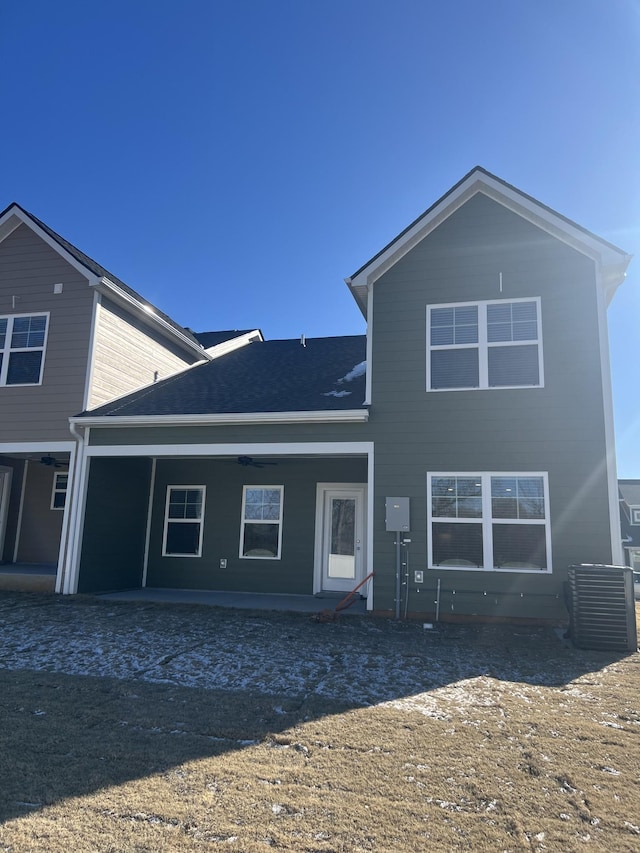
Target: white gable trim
611, 262
14, 217
21, 218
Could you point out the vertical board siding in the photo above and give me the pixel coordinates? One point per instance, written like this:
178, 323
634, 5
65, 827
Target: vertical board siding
128, 355
28, 270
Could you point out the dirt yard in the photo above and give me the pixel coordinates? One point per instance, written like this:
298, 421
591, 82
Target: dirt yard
183, 728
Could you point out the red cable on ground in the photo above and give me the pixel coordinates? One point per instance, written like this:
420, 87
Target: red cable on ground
342, 605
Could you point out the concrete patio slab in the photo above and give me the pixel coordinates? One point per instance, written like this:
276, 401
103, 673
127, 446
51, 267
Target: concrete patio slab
241, 600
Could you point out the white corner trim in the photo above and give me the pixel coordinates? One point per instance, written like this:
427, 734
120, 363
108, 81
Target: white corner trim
609, 431
369, 374
95, 319
332, 416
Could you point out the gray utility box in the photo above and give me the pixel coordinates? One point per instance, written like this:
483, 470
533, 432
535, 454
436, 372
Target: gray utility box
602, 607
397, 514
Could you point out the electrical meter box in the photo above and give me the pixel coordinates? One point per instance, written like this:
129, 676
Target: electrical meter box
397, 514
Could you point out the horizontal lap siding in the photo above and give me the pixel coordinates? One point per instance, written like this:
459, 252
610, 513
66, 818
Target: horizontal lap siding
28, 270
224, 481
558, 428
128, 355
243, 434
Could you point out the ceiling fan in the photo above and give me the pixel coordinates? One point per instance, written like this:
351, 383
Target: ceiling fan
52, 462
250, 462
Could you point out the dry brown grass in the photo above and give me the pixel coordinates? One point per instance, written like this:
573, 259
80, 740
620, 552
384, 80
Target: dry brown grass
123, 766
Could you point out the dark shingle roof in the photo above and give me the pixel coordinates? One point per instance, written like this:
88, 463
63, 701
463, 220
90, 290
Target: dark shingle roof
99, 270
264, 376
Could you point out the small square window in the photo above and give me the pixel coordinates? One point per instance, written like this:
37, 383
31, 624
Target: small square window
635, 515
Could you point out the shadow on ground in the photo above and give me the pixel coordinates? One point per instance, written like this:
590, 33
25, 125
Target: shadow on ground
93, 694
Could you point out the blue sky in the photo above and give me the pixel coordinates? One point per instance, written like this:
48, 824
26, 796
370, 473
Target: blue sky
234, 160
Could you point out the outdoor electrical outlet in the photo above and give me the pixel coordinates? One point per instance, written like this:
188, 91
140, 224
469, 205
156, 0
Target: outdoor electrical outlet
223, 563
418, 577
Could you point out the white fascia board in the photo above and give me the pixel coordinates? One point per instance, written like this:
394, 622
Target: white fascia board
346, 416
36, 446
611, 260
234, 343
146, 312
9, 222
299, 448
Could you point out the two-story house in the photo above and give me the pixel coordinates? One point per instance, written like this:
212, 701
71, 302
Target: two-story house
72, 337
462, 450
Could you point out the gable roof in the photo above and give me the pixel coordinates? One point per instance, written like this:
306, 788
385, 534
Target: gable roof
146, 309
323, 375
612, 260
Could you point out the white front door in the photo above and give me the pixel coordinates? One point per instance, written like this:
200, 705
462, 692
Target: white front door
5, 488
341, 544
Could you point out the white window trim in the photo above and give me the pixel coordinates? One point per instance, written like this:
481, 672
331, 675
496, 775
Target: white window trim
634, 513
7, 349
168, 520
483, 344
56, 490
487, 521
244, 521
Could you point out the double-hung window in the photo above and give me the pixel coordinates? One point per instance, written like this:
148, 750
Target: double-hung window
59, 491
183, 521
484, 345
261, 527
22, 344
489, 521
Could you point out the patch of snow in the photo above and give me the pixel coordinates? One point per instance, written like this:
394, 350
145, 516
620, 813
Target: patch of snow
354, 373
336, 393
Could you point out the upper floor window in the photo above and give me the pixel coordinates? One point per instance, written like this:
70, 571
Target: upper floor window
484, 345
22, 344
635, 514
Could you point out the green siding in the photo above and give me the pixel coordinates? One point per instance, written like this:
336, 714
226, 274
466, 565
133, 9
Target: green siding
224, 480
115, 524
558, 428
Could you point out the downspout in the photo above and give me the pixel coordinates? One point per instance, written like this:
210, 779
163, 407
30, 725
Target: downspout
66, 576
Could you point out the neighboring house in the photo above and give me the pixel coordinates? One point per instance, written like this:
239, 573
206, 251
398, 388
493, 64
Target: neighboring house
485, 410
630, 522
72, 337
